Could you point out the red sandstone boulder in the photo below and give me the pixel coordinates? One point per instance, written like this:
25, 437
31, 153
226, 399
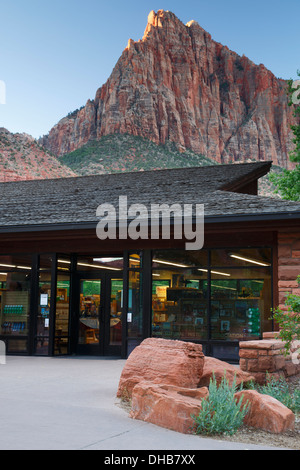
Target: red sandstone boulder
162, 361
166, 405
266, 412
218, 368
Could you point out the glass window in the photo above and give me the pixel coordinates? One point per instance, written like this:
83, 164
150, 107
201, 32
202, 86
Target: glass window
179, 304
62, 314
15, 300
135, 260
242, 257
240, 285
92, 263
135, 305
179, 258
43, 314
116, 305
63, 263
19, 262
241, 304
45, 262
90, 305
14, 345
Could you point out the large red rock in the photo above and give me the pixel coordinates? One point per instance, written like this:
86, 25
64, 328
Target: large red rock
162, 361
178, 84
166, 405
213, 366
266, 412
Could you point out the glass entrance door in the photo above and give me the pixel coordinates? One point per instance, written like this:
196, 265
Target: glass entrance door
89, 316
115, 306
100, 315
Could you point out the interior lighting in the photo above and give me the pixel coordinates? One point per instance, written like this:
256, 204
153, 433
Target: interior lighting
223, 287
249, 260
106, 260
215, 272
170, 263
97, 266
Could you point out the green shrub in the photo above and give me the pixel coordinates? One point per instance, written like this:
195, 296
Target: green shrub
279, 388
220, 412
289, 321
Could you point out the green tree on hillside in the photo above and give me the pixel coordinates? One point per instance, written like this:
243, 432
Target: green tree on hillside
287, 183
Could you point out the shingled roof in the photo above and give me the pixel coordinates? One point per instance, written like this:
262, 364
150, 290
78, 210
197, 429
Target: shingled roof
72, 202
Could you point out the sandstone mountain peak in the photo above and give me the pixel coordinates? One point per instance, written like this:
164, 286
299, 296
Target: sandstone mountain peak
178, 85
192, 23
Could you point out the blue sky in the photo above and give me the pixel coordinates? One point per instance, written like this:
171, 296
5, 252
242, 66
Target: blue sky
55, 54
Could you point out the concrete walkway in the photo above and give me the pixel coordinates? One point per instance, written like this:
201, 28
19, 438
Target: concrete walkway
70, 404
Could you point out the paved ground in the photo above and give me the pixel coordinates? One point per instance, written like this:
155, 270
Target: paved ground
70, 404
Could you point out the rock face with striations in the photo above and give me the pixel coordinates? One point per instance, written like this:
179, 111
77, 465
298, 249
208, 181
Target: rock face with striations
178, 84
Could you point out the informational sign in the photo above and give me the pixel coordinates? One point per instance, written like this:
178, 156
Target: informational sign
44, 299
161, 291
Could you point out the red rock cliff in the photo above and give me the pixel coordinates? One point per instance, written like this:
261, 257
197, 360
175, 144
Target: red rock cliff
178, 84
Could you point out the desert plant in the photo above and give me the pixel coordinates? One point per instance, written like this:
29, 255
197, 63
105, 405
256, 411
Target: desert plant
220, 412
278, 387
289, 320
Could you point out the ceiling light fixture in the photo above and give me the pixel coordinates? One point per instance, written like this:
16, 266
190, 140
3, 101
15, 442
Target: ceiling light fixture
106, 260
223, 287
97, 266
249, 260
215, 272
170, 263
